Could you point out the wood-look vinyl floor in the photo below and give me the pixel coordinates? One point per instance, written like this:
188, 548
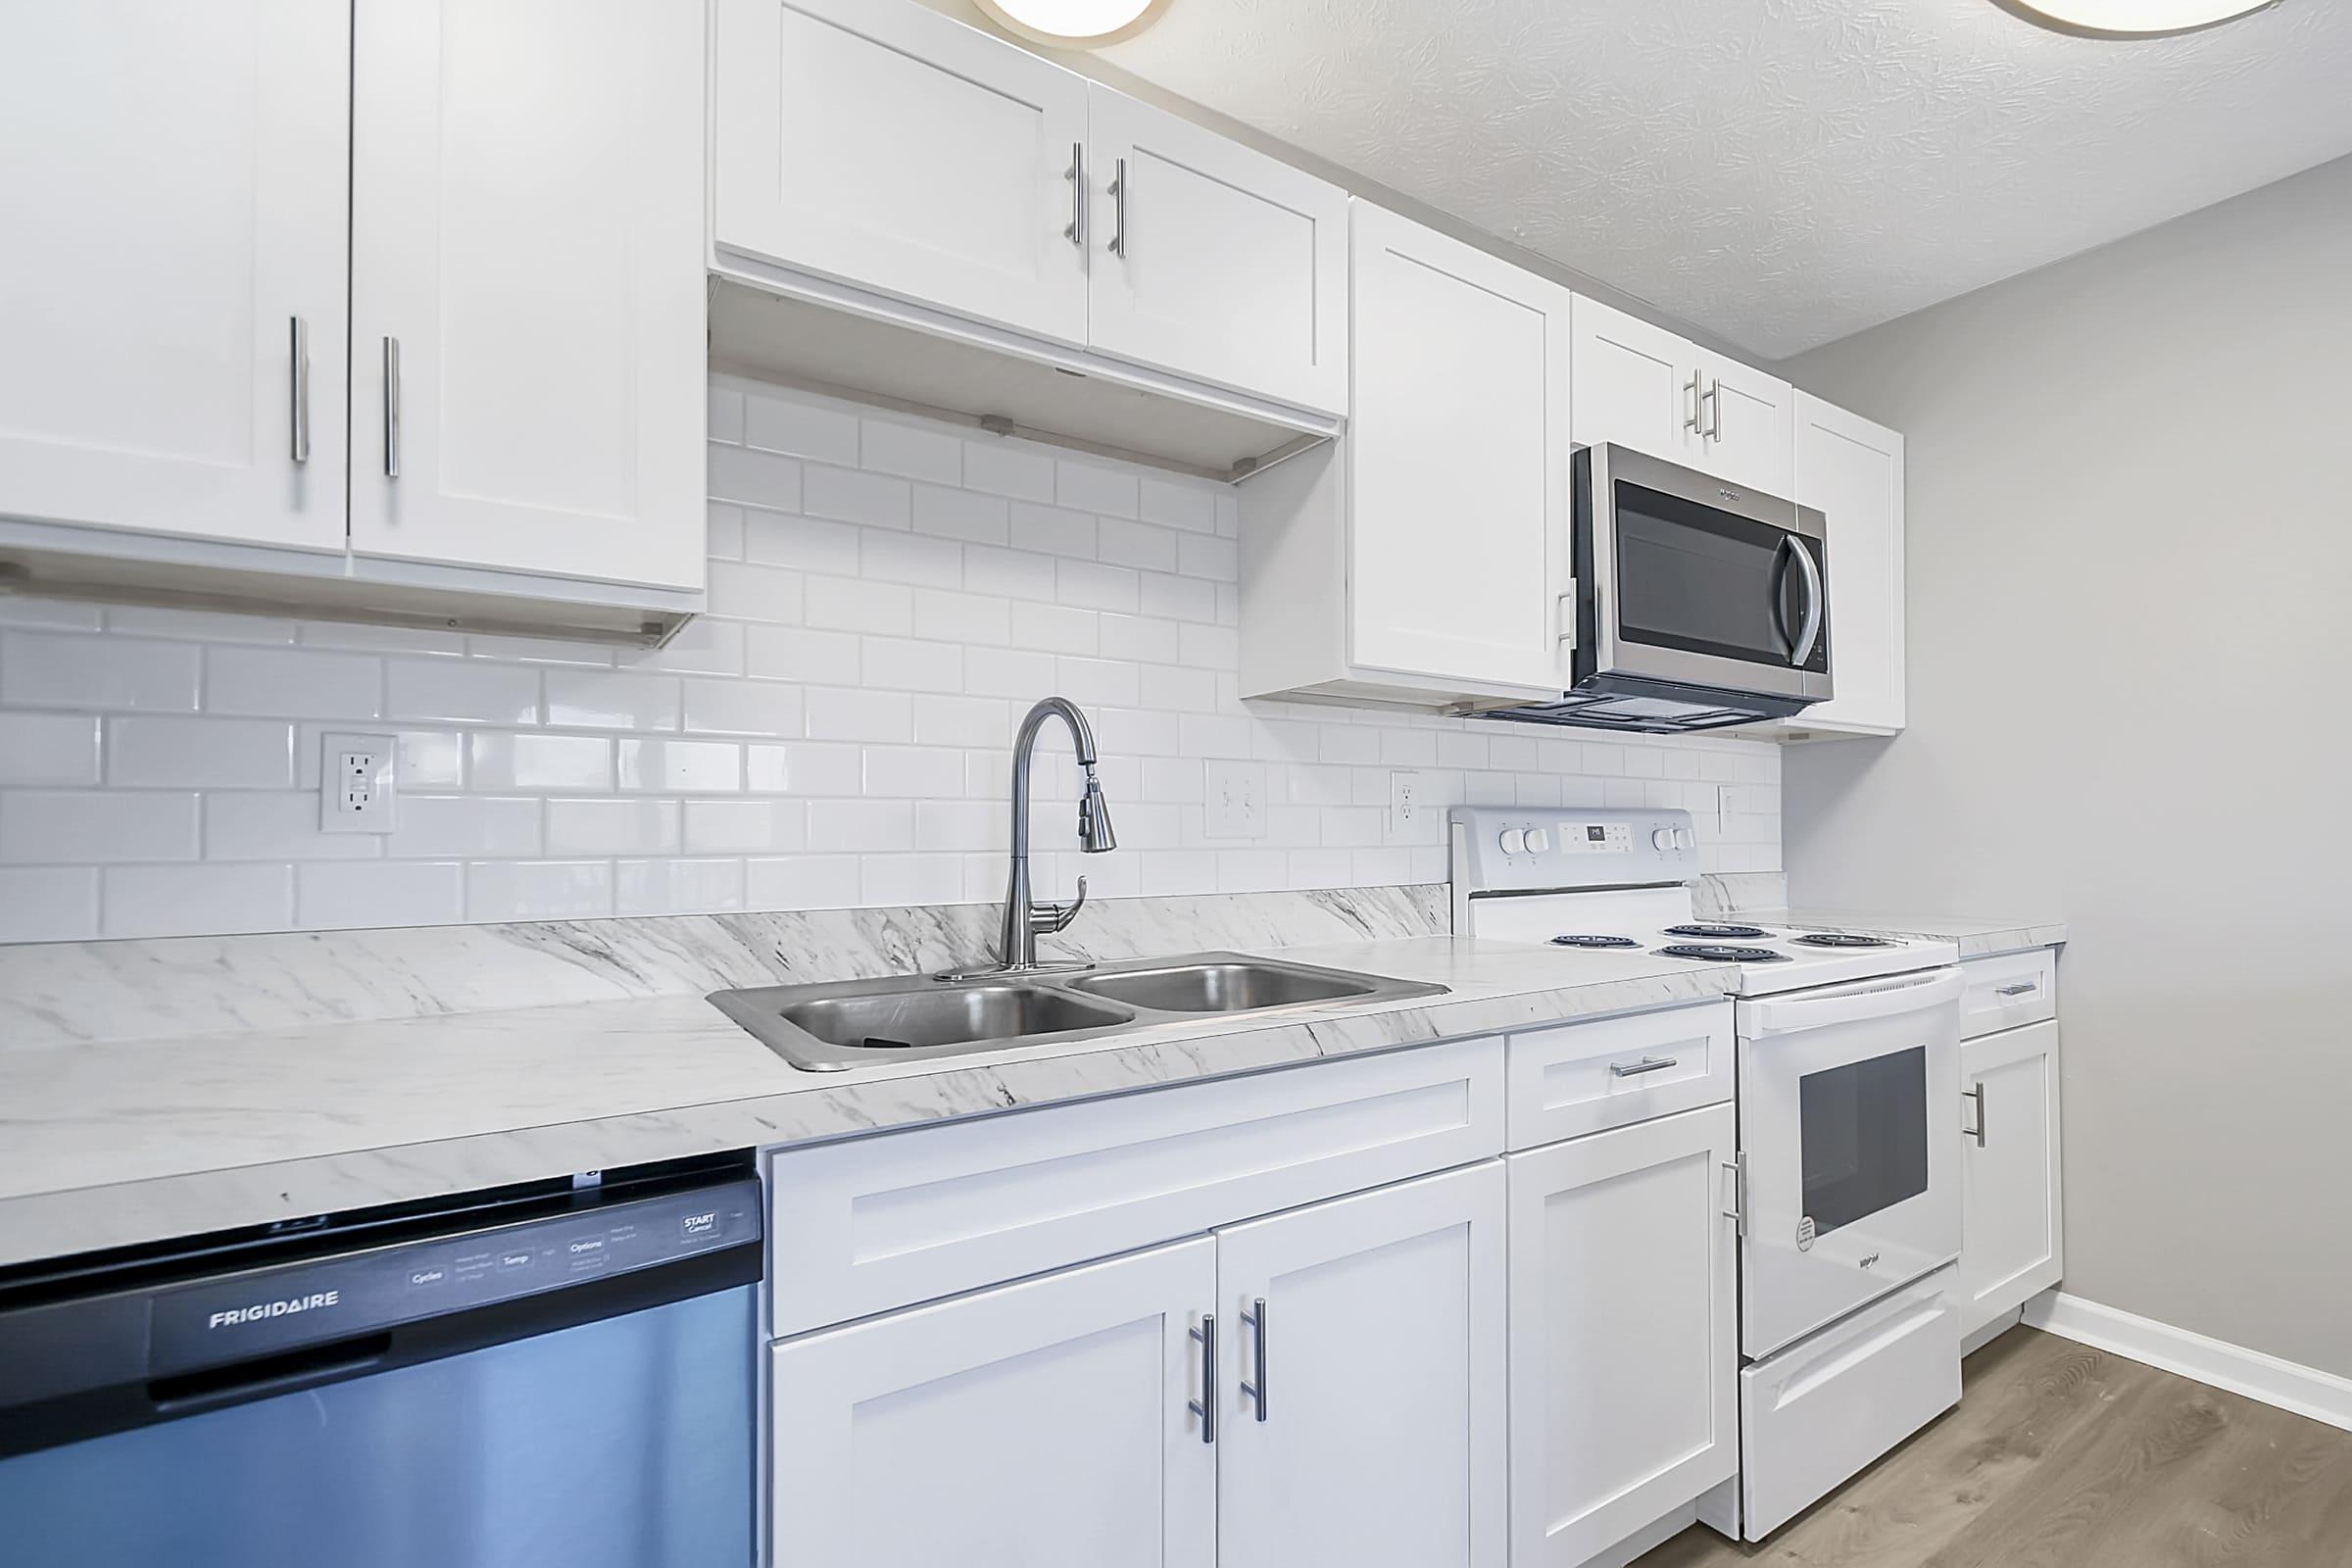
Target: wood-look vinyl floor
2062, 1456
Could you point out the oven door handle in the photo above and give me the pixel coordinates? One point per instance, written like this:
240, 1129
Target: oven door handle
1776, 1015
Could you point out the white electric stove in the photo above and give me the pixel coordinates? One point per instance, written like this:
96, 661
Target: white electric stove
1848, 1091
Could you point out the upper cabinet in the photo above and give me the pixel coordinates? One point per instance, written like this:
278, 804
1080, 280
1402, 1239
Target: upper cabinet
1851, 472
527, 302
172, 289
1644, 388
1423, 563
898, 152
891, 147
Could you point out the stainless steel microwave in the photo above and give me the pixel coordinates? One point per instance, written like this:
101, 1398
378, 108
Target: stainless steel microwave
1698, 604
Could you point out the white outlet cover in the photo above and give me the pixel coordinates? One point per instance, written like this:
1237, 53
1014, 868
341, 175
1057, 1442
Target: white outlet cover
359, 783
1236, 803
1409, 810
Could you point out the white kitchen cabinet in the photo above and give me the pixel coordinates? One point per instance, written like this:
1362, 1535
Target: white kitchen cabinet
885, 145
1361, 1416
1423, 561
1046, 1424
527, 287
1851, 471
2012, 1246
174, 178
1212, 260
1624, 1324
1642, 386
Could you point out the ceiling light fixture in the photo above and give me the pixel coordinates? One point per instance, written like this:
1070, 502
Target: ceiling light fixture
2134, 19
1074, 24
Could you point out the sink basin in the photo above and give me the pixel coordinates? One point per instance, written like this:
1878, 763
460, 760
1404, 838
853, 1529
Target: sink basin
830, 1027
852, 1023
1230, 985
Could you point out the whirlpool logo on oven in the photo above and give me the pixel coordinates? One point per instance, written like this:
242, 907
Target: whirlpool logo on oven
283, 1306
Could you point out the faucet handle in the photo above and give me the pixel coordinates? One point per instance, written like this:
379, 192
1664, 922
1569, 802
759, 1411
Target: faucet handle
1049, 918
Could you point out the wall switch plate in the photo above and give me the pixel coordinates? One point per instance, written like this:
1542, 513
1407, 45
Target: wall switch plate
359, 783
1236, 801
1408, 809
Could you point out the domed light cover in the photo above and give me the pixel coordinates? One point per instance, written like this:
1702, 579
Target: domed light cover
1074, 24
2136, 19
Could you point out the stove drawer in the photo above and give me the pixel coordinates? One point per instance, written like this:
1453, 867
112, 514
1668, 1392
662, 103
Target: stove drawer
1815, 1413
2008, 990
1583, 1078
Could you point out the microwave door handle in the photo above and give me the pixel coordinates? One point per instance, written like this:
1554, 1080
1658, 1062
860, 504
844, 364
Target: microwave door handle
1814, 601
1780, 592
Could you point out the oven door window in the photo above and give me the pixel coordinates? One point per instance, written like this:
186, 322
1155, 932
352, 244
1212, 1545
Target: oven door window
1704, 580
1864, 1131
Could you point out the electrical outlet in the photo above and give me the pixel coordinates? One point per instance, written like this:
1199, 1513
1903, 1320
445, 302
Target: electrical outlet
359, 783
1236, 806
1408, 808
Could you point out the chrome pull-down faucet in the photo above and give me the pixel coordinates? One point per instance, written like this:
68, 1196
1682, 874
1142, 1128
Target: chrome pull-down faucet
1026, 919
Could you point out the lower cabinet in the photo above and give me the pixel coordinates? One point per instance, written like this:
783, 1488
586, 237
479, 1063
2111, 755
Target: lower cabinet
1623, 1332
2011, 1240
1047, 1424
1324, 1387
1360, 1347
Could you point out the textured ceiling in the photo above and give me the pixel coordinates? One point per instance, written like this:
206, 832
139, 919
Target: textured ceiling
1780, 173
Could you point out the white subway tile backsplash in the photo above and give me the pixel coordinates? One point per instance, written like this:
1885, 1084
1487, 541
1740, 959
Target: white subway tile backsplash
48, 749
332, 895
887, 597
156, 752
178, 901
292, 683
42, 670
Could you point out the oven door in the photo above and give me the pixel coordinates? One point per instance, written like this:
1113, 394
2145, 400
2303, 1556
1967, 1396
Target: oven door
1850, 1147
1696, 582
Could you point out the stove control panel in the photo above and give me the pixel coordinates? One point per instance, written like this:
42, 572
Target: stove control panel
1529, 849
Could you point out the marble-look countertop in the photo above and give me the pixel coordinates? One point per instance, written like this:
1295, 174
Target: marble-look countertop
111, 1141
1979, 937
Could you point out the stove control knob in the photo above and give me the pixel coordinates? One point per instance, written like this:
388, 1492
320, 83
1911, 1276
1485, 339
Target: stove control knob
1662, 838
1684, 839
1513, 841
1538, 841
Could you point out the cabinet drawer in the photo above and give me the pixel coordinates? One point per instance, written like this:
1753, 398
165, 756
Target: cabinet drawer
1820, 1410
1582, 1077
874, 1223
2011, 989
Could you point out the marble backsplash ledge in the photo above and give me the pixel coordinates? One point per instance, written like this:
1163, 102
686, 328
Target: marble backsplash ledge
63, 994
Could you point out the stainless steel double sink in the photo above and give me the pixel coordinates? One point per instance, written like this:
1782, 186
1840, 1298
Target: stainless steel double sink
852, 1024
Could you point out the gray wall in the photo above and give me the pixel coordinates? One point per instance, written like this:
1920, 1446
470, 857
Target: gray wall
2131, 689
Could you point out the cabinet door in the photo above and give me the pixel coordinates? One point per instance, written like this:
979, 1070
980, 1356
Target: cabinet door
893, 148
1851, 472
1213, 261
1458, 445
526, 228
1751, 419
1041, 1425
2010, 1247
1637, 385
174, 181
1623, 1339
1361, 1416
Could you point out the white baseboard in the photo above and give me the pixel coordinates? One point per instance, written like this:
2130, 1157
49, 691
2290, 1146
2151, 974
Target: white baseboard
2306, 1391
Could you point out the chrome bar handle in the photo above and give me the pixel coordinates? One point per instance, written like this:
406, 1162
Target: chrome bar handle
1977, 1095
298, 389
1715, 415
1698, 406
2021, 988
1634, 1069
1816, 600
1738, 1212
1118, 208
1255, 1317
1205, 1406
391, 407
1075, 231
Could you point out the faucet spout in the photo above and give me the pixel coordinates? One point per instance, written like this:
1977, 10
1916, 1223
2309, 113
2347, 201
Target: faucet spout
1025, 918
